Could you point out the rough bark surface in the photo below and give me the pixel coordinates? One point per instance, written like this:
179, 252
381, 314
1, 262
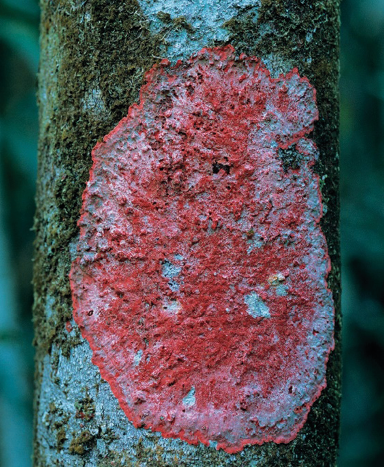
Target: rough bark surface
93, 58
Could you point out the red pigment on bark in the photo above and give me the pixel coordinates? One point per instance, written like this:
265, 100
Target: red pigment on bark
200, 281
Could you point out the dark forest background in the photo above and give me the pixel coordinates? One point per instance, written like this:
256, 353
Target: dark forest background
362, 224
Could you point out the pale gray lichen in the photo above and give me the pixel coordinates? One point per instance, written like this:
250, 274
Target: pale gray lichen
89, 441
190, 399
201, 26
256, 307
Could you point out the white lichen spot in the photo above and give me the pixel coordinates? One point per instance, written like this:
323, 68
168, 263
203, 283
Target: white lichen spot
254, 243
170, 270
171, 307
93, 101
256, 307
281, 290
87, 17
49, 306
309, 36
190, 399
137, 358
276, 63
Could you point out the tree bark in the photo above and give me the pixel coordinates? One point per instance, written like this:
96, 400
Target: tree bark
93, 58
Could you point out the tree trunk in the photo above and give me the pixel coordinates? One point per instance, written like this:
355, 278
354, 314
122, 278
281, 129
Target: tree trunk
93, 58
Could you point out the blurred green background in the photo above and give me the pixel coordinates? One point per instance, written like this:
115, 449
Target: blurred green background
362, 221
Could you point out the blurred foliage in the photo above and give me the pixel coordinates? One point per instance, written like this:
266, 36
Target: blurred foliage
362, 222
19, 54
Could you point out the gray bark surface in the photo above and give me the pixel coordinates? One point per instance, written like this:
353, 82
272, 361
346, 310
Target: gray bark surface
93, 58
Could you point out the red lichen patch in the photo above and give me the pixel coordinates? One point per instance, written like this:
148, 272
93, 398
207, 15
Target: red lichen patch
200, 281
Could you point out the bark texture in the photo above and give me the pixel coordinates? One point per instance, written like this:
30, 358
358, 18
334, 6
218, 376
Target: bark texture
93, 58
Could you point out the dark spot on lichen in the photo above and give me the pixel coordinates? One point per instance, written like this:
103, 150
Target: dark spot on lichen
114, 458
290, 158
61, 436
216, 167
164, 17
85, 408
179, 22
250, 233
80, 443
